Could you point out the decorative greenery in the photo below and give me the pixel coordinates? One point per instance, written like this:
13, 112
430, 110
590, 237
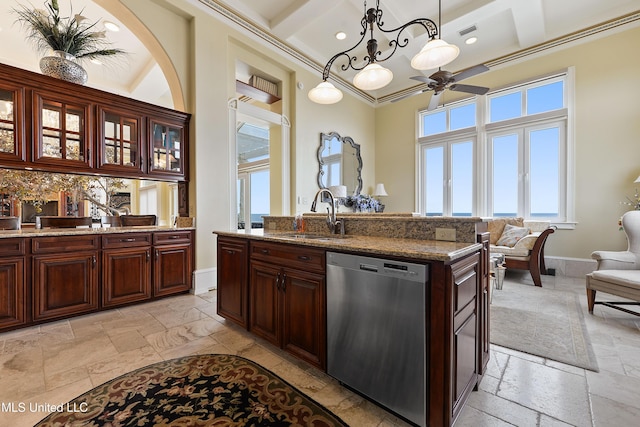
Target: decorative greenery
73, 35
362, 203
37, 188
634, 202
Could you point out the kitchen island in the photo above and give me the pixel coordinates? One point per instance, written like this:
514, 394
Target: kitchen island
274, 284
50, 274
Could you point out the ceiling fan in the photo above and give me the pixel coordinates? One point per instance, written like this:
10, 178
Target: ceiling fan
441, 80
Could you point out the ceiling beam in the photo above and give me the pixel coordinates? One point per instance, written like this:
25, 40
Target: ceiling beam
288, 22
528, 19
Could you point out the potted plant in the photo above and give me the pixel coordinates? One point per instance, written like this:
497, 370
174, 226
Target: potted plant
70, 39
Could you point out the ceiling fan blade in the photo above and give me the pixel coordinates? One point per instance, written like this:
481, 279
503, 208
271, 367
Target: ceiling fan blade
465, 74
478, 90
435, 101
409, 95
423, 79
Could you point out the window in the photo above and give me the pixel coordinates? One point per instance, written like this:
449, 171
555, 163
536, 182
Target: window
512, 163
253, 186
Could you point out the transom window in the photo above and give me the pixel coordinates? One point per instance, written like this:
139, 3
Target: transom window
504, 154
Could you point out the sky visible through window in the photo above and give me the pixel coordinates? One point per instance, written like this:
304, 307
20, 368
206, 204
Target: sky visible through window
543, 155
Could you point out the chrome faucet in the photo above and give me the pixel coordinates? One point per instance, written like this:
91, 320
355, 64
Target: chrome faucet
332, 222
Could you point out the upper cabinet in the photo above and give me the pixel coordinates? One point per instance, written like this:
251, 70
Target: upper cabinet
12, 142
167, 146
61, 131
121, 139
71, 128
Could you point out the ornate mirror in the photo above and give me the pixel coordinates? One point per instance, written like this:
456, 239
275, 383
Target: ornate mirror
339, 163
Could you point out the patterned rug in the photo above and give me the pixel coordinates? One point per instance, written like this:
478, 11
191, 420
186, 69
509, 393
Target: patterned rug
543, 322
203, 390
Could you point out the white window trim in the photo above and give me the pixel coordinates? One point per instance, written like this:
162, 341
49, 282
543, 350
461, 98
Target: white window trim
481, 203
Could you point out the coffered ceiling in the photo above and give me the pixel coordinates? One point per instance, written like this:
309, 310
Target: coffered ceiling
502, 27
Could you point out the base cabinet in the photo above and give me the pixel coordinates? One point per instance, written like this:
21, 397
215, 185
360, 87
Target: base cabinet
233, 281
12, 292
64, 285
172, 269
126, 276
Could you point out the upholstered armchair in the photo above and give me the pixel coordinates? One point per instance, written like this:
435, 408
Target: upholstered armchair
522, 244
618, 272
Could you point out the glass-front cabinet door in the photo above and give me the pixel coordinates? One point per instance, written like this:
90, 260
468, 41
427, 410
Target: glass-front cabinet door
61, 131
12, 142
119, 140
167, 149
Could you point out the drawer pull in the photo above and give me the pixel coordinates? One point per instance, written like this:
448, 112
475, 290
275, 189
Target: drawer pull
278, 281
94, 261
230, 251
127, 240
304, 258
174, 237
283, 283
265, 251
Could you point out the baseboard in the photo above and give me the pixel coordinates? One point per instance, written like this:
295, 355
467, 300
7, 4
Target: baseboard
570, 267
204, 280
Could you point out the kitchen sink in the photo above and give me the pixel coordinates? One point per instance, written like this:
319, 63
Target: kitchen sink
308, 236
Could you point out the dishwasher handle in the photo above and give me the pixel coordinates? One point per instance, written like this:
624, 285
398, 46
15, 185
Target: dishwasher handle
369, 267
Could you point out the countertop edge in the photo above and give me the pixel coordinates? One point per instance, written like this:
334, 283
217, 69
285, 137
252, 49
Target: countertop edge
423, 250
44, 232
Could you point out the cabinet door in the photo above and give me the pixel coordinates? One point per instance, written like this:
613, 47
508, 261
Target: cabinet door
172, 270
12, 142
464, 370
12, 292
62, 134
233, 270
264, 319
126, 276
120, 136
303, 315
64, 284
167, 147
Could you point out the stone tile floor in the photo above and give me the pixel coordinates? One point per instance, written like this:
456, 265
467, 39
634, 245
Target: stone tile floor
55, 362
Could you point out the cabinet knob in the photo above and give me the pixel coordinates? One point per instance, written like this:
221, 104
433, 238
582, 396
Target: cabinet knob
278, 281
94, 261
265, 251
128, 240
304, 258
174, 237
284, 282
231, 251
148, 256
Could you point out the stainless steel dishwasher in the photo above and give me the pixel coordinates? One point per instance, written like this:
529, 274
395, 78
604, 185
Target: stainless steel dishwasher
376, 330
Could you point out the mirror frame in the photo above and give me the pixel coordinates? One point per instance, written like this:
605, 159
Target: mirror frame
345, 140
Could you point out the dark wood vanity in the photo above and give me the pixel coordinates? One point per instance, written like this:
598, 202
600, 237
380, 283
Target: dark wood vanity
274, 286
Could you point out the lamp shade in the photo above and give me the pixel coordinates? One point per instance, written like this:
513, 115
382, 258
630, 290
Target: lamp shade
325, 93
434, 54
380, 190
372, 77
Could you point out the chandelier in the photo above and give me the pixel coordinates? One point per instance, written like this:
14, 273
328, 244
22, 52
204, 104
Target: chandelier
372, 75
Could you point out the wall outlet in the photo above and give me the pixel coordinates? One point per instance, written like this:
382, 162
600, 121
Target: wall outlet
448, 234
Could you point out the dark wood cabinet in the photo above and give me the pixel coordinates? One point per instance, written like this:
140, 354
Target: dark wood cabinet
173, 262
464, 276
121, 137
62, 131
484, 307
126, 275
13, 308
52, 125
65, 284
12, 120
233, 279
287, 299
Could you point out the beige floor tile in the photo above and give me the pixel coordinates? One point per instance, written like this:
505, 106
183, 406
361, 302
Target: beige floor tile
503, 409
608, 412
128, 341
550, 391
80, 352
107, 369
619, 388
471, 417
21, 374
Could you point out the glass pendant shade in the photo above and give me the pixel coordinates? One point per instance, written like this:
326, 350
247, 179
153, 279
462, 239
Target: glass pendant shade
325, 93
372, 77
435, 54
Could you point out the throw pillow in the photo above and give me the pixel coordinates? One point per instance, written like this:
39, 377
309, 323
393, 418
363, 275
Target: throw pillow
511, 235
496, 227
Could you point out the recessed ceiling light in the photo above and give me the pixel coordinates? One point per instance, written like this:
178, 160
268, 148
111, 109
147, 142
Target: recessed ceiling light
111, 26
341, 35
471, 40
95, 61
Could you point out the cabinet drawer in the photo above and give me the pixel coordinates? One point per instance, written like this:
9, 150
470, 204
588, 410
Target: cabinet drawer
126, 240
46, 245
171, 237
301, 257
12, 247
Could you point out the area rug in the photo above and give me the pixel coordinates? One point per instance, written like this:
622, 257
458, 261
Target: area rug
203, 390
543, 322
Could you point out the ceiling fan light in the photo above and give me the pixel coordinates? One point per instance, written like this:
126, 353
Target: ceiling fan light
372, 77
325, 93
435, 54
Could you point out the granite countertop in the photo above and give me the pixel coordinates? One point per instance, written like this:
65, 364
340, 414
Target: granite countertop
427, 250
33, 232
